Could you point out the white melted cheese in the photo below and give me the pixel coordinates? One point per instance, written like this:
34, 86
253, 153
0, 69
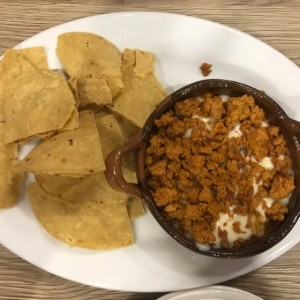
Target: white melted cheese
188, 133
209, 122
225, 223
250, 158
269, 201
224, 98
235, 132
285, 201
206, 120
262, 211
200, 99
264, 124
266, 163
203, 247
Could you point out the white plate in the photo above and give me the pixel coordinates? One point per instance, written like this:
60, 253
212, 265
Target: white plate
156, 262
217, 292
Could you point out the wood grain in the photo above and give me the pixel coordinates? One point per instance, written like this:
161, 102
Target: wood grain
274, 22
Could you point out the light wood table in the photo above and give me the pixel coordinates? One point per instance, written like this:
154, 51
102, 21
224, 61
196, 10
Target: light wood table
274, 22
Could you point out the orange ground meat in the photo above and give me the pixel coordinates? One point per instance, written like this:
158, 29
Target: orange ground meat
199, 165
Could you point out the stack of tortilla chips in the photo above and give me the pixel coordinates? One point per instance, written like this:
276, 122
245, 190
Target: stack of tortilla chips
78, 120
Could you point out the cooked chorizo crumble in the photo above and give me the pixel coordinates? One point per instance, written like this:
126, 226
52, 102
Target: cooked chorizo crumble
219, 170
206, 69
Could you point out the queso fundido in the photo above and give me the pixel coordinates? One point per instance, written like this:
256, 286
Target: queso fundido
218, 170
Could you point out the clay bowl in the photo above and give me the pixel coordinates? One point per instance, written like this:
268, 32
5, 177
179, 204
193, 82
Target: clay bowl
276, 231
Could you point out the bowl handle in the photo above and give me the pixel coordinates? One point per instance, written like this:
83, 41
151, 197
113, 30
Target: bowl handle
113, 173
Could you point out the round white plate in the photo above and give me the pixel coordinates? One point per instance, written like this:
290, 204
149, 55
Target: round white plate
217, 292
156, 262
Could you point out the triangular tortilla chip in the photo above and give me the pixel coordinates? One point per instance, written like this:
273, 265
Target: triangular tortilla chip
12, 66
72, 82
36, 102
111, 136
93, 90
141, 92
57, 185
83, 223
135, 208
115, 84
87, 55
70, 153
144, 63
36, 56
10, 179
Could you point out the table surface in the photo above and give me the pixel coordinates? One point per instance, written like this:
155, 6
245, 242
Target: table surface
274, 22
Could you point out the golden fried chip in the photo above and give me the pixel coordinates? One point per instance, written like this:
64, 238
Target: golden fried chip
56, 185
36, 56
12, 66
140, 95
93, 90
10, 179
128, 60
128, 129
115, 84
144, 63
86, 222
111, 136
87, 55
70, 153
72, 122
135, 208
36, 102
72, 82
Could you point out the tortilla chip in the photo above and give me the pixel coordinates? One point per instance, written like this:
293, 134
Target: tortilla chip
128, 60
111, 136
36, 56
87, 55
86, 223
135, 208
140, 95
103, 112
12, 66
36, 102
128, 129
70, 153
72, 82
10, 179
56, 185
72, 122
110, 133
115, 84
144, 63
93, 90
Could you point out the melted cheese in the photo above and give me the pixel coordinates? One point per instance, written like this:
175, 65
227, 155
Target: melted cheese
207, 121
235, 132
225, 223
266, 163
